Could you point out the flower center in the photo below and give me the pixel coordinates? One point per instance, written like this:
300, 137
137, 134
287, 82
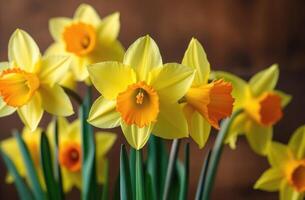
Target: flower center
17, 86
297, 178
70, 156
213, 101
266, 110
138, 104
80, 38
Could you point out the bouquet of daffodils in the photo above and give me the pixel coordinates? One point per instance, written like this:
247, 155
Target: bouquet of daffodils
150, 100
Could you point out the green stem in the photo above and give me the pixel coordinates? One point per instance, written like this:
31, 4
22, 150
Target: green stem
216, 154
171, 164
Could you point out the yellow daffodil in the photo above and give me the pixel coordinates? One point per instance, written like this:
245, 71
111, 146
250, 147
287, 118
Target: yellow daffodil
28, 82
262, 107
70, 152
86, 38
206, 103
287, 172
141, 94
32, 141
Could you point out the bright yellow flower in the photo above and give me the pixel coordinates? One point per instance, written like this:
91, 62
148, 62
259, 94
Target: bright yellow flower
287, 172
87, 39
70, 152
28, 82
206, 103
141, 94
32, 141
262, 107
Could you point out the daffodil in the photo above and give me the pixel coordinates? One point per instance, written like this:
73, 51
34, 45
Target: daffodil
86, 38
32, 141
287, 172
141, 94
70, 152
262, 107
28, 82
205, 103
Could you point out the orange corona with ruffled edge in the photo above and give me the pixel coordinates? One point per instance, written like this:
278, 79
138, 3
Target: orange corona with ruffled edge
213, 101
80, 38
139, 104
70, 156
295, 174
17, 86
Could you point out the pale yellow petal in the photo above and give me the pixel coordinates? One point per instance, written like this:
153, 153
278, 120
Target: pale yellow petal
171, 122
172, 81
104, 142
289, 193
297, 142
87, 14
53, 69
23, 51
279, 154
265, 80
143, 55
113, 51
5, 110
79, 67
68, 81
103, 114
285, 98
32, 112
57, 26
196, 58
270, 180
111, 78
55, 100
135, 136
259, 137
109, 28
55, 49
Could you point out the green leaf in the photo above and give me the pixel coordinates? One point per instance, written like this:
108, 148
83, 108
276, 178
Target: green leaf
150, 195
132, 167
140, 193
53, 190
125, 181
105, 194
22, 189
184, 174
203, 173
216, 153
89, 182
116, 195
30, 168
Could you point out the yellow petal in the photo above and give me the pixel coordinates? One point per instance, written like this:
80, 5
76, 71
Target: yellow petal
55, 100
68, 81
103, 114
5, 110
270, 180
279, 154
23, 51
55, 49
104, 142
171, 122
31, 113
259, 137
264, 80
111, 78
57, 26
87, 14
196, 58
109, 28
198, 127
288, 193
135, 136
171, 81
113, 51
285, 98
53, 69
79, 67
143, 55
240, 87
297, 142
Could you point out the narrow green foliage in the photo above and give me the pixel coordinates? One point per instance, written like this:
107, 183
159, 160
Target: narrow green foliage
125, 181
132, 167
105, 194
57, 170
184, 180
140, 186
200, 186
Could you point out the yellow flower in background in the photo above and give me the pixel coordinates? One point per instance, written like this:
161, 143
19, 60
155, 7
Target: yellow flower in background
262, 107
206, 103
287, 172
32, 141
141, 94
28, 82
87, 39
70, 151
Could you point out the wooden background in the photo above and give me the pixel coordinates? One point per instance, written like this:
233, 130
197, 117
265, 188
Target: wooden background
241, 36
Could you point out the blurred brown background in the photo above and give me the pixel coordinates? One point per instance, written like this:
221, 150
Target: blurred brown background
241, 36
